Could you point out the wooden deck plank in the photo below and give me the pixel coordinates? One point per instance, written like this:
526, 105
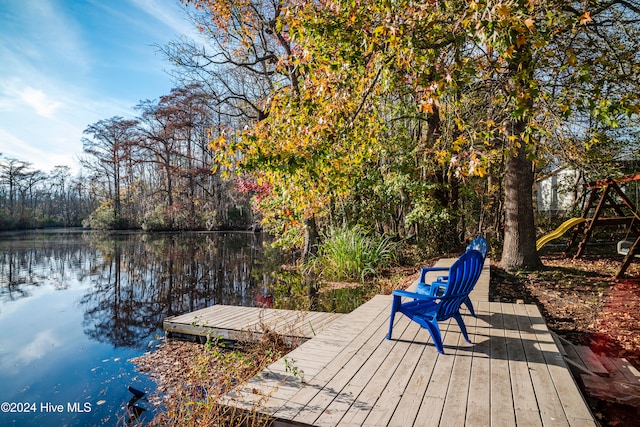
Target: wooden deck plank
573, 403
219, 316
371, 380
501, 400
220, 312
524, 400
354, 332
236, 323
431, 407
342, 370
338, 396
392, 393
479, 400
405, 413
549, 403
383, 391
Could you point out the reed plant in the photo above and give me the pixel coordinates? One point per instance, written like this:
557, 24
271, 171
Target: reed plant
349, 254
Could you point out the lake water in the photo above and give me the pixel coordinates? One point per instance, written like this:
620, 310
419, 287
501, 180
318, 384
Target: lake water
75, 306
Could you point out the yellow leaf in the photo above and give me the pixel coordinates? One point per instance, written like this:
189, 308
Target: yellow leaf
529, 22
509, 52
380, 30
218, 143
459, 142
504, 11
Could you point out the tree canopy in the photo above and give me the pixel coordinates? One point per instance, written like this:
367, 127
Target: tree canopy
386, 108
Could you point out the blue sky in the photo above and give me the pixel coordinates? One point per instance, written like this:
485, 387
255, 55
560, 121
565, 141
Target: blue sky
65, 64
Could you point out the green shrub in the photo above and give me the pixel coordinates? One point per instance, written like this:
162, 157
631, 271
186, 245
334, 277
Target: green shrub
350, 254
104, 218
156, 219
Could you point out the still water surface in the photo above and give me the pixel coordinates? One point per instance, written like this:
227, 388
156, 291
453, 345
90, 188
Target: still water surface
75, 306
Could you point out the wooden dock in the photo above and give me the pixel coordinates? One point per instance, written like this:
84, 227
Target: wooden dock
350, 375
249, 323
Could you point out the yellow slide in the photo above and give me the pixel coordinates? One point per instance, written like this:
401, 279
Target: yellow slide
567, 225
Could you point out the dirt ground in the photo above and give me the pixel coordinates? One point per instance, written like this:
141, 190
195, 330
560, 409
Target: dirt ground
582, 302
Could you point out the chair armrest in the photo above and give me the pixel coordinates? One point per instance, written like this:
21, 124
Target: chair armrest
423, 288
407, 294
434, 289
425, 270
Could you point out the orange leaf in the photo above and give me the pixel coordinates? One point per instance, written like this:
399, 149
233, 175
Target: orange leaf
530, 23
586, 17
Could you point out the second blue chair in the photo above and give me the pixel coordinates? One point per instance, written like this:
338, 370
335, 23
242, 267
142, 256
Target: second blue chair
437, 287
428, 310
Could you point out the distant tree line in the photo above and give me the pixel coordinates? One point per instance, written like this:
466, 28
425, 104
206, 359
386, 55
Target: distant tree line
151, 172
155, 171
30, 198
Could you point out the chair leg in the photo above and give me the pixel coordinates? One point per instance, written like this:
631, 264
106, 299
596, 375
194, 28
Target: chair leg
434, 331
467, 302
463, 328
394, 307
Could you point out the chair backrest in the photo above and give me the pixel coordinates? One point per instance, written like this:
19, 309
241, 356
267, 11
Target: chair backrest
463, 276
479, 244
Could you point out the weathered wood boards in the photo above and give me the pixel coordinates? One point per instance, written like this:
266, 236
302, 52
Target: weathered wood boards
350, 375
249, 323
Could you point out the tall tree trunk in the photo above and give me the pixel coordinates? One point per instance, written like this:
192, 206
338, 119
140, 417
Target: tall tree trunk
311, 238
519, 247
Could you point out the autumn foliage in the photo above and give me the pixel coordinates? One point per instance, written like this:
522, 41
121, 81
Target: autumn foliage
396, 109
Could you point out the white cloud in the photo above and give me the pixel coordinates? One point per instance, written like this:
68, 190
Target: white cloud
171, 14
66, 67
41, 344
14, 147
39, 347
39, 101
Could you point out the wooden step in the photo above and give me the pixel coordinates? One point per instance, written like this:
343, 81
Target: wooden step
591, 360
580, 358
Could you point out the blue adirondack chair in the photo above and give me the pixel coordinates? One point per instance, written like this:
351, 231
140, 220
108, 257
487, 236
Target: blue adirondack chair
427, 310
478, 244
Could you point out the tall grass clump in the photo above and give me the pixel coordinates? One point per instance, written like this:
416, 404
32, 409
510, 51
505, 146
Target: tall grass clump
348, 254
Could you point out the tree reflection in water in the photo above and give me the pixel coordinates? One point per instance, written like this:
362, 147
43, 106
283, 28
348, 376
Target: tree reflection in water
136, 279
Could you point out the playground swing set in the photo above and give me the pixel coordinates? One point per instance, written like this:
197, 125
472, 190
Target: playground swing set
612, 208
